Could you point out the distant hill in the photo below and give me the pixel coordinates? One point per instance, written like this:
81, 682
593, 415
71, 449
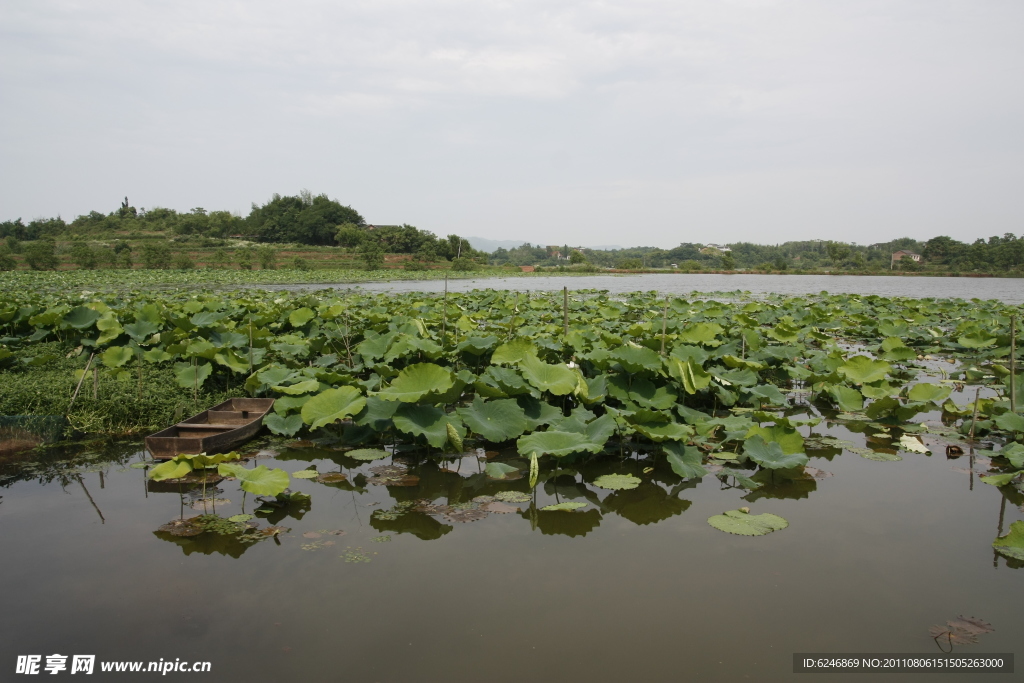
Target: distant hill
484, 244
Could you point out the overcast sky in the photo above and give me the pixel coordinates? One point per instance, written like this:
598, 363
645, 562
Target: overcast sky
647, 122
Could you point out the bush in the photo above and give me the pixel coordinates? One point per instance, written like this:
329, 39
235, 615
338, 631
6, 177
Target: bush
182, 261
244, 256
219, 259
630, 264
42, 255
299, 263
414, 265
464, 263
83, 255
156, 255
7, 261
267, 257
372, 255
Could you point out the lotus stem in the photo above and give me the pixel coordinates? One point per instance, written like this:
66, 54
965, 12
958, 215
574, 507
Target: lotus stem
80, 380
974, 421
1013, 363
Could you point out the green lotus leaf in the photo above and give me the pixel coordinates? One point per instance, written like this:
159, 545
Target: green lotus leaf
172, 469
499, 470
1012, 544
157, 356
700, 333
301, 316
617, 482
141, 329
306, 387
416, 381
367, 454
496, 421
848, 399
284, 426
109, 327
976, 340
332, 405
240, 518
770, 454
745, 524
861, 369
1001, 479
911, 444
877, 456
513, 352
559, 379
116, 356
81, 317
1013, 452
767, 393
644, 392
426, 421
201, 461
1011, 422
305, 474
567, 506
784, 333
637, 358
261, 481
286, 404
556, 443
787, 437
660, 431
929, 392
206, 318
275, 375
189, 376
690, 374
685, 460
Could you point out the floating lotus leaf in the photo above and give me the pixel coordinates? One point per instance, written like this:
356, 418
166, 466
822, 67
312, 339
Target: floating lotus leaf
416, 381
568, 506
788, 438
332, 477
332, 405
240, 518
305, 474
771, 455
559, 379
877, 456
285, 426
367, 454
911, 444
1012, 544
1014, 452
512, 497
617, 482
745, 524
861, 369
172, 469
929, 392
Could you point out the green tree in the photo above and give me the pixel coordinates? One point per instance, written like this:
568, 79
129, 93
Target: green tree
267, 256
83, 255
728, 261
372, 255
42, 255
349, 235
299, 263
304, 219
464, 263
577, 257
219, 259
631, 264
837, 251
13, 244
156, 255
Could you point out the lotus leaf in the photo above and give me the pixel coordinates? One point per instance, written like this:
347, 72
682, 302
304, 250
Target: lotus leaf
81, 317
300, 388
116, 356
976, 340
567, 506
1014, 452
637, 359
496, 421
557, 443
847, 398
861, 369
261, 481
685, 460
427, 421
617, 482
1011, 422
787, 437
172, 469
1001, 479
332, 405
417, 381
367, 454
499, 470
301, 316
513, 352
558, 379
189, 375
700, 333
771, 455
305, 474
1012, 544
929, 392
911, 444
743, 523
692, 376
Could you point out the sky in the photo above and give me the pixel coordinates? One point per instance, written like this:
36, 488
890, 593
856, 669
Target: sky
636, 123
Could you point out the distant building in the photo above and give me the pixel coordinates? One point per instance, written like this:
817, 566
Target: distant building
901, 254
719, 247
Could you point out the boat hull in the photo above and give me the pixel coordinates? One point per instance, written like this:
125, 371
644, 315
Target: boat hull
221, 428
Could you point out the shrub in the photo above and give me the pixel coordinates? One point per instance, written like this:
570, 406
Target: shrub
182, 261
244, 256
42, 255
156, 255
372, 255
299, 263
267, 257
83, 255
414, 265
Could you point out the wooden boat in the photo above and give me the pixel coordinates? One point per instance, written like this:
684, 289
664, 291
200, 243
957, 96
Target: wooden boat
219, 429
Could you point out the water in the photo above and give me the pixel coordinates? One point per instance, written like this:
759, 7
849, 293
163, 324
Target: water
1009, 290
636, 587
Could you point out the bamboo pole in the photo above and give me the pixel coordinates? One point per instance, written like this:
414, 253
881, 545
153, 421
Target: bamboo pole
80, 380
664, 326
1013, 363
974, 421
565, 309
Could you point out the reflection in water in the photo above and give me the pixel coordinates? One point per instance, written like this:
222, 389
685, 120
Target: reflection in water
561, 522
646, 504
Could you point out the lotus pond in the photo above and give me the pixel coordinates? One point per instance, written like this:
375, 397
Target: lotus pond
516, 486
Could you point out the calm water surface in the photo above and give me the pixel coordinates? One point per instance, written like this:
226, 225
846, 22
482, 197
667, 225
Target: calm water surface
1010, 290
637, 586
